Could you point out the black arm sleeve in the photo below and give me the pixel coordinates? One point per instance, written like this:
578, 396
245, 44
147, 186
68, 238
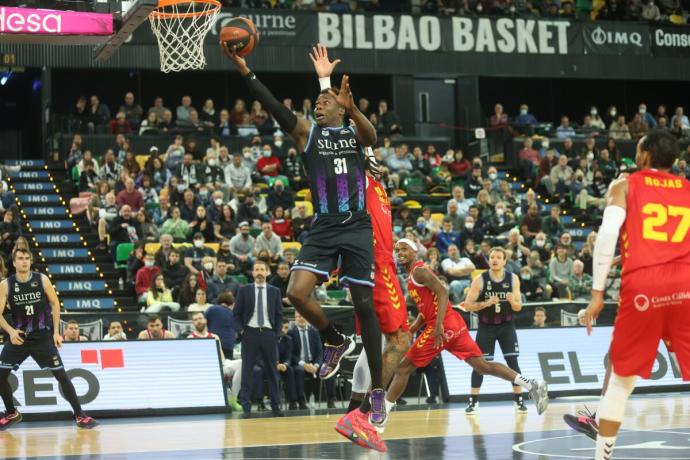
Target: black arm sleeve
285, 118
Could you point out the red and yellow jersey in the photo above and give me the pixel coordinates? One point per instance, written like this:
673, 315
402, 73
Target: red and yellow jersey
427, 303
379, 209
657, 221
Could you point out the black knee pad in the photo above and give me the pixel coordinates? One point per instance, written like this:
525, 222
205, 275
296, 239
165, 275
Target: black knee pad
512, 362
477, 379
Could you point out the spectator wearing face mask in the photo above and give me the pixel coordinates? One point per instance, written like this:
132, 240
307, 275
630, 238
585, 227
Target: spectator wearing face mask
280, 196
193, 255
214, 175
529, 287
268, 165
647, 117
596, 119
145, 276
525, 122
470, 232
542, 246
292, 169
502, 220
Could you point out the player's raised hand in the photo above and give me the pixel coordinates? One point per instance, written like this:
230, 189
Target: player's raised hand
344, 97
593, 309
319, 57
239, 62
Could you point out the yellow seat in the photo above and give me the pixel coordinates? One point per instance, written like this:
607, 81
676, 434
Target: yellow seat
476, 273
399, 192
142, 159
437, 218
413, 204
262, 186
152, 248
308, 206
304, 194
294, 245
214, 246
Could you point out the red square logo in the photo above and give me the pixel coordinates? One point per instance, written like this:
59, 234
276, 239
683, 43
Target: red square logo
89, 356
112, 358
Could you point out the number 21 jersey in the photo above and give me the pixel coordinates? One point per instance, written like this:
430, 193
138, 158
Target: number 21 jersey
657, 221
29, 304
335, 165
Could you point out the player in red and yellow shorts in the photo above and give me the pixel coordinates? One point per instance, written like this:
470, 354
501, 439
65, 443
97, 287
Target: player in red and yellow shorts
389, 300
445, 330
650, 211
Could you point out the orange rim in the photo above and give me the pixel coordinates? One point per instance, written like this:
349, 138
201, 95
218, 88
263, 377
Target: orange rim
159, 14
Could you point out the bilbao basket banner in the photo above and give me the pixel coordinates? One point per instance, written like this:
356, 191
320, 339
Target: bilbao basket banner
151, 374
566, 358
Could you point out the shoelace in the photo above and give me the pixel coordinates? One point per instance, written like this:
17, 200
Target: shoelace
586, 413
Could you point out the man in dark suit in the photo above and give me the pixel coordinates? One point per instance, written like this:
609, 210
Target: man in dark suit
258, 309
285, 367
307, 356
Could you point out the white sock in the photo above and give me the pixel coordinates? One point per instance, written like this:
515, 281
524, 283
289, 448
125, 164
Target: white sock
605, 447
389, 406
523, 382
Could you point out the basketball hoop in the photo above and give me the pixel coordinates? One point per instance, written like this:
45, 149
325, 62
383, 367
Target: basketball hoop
180, 26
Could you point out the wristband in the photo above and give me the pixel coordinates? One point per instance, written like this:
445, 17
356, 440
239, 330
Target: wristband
325, 83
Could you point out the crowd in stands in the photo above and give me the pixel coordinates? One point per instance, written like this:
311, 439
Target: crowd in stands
91, 116
611, 10
213, 213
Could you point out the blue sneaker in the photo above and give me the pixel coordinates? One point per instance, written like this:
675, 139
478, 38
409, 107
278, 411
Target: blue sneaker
332, 355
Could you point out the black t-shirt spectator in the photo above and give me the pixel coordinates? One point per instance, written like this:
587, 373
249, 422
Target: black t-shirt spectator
174, 275
472, 187
247, 213
196, 254
422, 165
299, 225
283, 198
119, 234
529, 289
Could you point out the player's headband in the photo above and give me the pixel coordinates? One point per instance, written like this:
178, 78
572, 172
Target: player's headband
408, 242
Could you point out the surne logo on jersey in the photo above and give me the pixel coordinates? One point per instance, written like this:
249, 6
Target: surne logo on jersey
348, 145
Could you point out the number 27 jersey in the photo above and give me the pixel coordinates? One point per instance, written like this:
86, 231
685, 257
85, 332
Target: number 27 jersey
657, 221
335, 165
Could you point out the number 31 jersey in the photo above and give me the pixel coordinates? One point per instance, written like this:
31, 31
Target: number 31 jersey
335, 165
657, 221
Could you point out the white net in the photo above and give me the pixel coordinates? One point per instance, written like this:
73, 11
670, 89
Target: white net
180, 28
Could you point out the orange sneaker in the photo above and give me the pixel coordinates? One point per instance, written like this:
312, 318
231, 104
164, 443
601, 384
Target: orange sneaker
355, 426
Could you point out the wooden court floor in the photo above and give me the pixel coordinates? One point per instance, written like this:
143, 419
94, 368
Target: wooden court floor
656, 427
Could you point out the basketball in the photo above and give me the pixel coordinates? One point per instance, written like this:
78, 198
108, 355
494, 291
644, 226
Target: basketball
240, 33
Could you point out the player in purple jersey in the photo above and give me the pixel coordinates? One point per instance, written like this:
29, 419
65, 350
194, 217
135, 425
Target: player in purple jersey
34, 332
335, 164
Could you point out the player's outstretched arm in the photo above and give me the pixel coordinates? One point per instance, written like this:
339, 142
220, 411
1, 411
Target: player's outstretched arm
605, 246
297, 128
365, 131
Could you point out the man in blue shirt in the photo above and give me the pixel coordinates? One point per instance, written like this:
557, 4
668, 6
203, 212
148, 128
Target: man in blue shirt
525, 121
446, 237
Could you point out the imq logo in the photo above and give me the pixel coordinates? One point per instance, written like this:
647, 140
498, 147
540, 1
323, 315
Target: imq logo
619, 37
39, 386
